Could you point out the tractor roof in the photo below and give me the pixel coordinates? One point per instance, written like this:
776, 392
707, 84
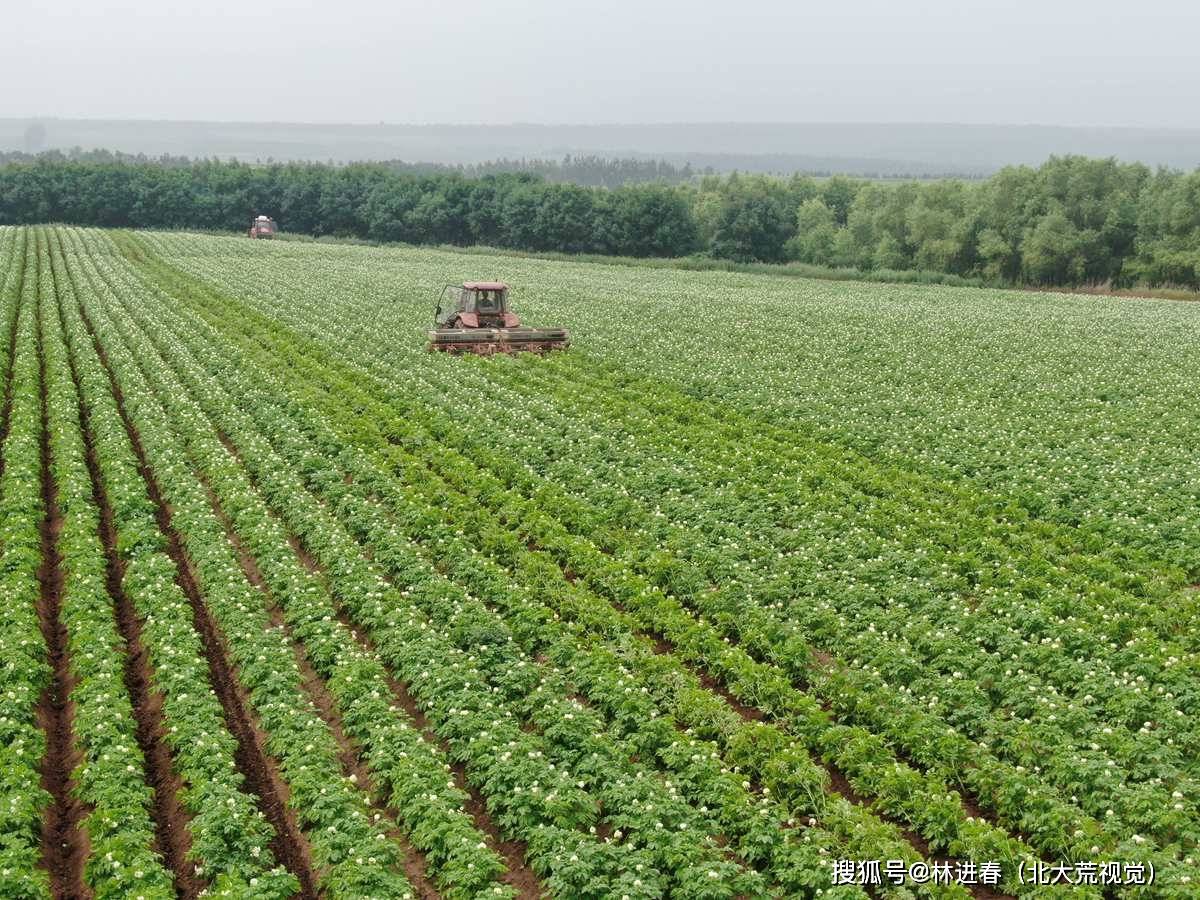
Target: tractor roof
485, 285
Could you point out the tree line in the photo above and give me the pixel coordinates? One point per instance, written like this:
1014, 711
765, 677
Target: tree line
1070, 221
589, 170
586, 170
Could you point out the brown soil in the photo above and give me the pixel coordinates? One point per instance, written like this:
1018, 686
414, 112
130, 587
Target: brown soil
751, 714
661, 646
229, 445
822, 658
519, 875
261, 772
415, 866
171, 819
306, 559
838, 783
64, 844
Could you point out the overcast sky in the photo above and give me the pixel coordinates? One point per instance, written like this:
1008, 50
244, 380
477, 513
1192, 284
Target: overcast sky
1075, 62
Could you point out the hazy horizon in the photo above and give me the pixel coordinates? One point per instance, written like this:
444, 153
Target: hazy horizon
1068, 62
889, 150
548, 124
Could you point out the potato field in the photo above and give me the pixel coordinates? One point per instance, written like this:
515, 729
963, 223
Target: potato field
765, 588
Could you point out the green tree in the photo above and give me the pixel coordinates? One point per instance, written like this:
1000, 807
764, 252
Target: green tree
754, 224
838, 193
1051, 251
645, 221
816, 232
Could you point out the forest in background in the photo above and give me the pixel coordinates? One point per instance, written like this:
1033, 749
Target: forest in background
588, 170
1070, 221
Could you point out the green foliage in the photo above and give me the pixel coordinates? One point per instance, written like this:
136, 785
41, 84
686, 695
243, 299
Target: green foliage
816, 231
724, 512
1071, 221
754, 223
646, 221
686, 631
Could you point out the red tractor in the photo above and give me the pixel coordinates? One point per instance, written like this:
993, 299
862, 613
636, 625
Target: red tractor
263, 227
476, 318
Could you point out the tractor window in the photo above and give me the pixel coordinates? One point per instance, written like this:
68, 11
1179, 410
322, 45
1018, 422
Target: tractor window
448, 304
488, 301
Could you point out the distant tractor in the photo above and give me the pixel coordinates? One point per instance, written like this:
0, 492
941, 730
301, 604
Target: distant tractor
263, 227
475, 318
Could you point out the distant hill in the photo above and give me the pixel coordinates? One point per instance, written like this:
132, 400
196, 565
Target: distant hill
884, 150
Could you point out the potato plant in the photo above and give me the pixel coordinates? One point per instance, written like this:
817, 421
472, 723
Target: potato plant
760, 577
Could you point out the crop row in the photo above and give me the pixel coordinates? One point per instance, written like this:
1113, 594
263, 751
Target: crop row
597, 761
25, 674
1068, 406
754, 824
384, 334
905, 639
1152, 807
1149, 809
412, 772
749, 518
278, 430
752, 679
230, 837
595, 758
110, 778
686, 620
352, 856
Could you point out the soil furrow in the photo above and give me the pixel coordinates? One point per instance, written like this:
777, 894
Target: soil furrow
838, 781
519, 875
64, 843
711, 684
262, 775
349, 754
172, 837
970, 802
839, 784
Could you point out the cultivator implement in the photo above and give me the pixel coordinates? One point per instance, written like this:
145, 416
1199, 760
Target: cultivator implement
486, 341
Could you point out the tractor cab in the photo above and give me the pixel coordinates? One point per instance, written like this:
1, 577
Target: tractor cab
262, 227
476, 304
